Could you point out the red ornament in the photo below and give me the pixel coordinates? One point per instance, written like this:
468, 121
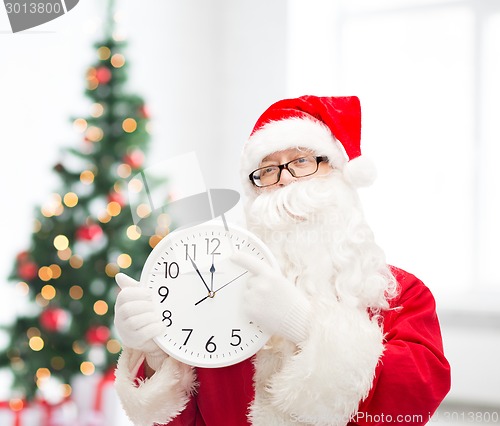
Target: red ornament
116, 197
54, 319
103, 75
89, 232
23, 256
27, 270
97, 335
144, 111
134, 159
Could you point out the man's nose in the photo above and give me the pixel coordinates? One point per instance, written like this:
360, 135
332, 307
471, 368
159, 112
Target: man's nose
285, 178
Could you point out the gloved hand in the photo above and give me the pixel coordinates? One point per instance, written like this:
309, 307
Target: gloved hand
272, 301
135, 320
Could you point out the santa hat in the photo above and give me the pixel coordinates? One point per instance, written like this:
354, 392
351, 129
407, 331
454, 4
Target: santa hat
328, 126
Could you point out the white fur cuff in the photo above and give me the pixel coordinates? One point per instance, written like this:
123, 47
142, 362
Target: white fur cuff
335, 367
157, 399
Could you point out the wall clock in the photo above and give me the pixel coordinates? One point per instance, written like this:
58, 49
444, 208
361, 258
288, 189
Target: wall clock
198, 293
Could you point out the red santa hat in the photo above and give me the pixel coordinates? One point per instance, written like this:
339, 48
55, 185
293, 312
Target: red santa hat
328, 126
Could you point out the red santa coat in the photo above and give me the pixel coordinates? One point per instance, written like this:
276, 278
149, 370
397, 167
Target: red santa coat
411, 377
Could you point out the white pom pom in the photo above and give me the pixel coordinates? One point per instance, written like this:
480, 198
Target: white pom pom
360, 171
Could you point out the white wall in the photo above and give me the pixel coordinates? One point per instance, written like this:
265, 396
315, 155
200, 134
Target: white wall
206, 70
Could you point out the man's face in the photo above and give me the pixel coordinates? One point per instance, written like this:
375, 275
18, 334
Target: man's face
289, 156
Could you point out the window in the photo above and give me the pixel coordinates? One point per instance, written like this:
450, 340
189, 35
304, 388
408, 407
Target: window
426, 73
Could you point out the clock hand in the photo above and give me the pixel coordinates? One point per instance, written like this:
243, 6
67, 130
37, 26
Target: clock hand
199, 301
212, 293
212, 270
198, 271
234, 279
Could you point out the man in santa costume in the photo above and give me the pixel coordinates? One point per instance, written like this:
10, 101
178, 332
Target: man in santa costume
354, 341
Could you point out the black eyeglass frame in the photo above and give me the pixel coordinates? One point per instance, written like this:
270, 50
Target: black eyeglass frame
319, 159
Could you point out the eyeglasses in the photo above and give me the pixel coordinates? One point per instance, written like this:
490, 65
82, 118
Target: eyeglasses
300, 167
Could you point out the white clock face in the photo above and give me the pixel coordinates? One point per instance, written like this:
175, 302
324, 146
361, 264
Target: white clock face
199, 294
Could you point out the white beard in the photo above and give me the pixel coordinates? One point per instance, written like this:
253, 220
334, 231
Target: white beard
317, 231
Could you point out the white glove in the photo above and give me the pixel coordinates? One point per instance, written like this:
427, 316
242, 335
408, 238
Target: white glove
135, 320
272, 301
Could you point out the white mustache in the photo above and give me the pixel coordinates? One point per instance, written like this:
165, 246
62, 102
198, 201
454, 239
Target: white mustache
296, 202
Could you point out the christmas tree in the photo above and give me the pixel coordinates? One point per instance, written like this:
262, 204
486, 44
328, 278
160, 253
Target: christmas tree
83, 236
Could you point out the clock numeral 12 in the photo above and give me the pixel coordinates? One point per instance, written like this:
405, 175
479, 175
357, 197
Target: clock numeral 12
211, 243
171, 270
